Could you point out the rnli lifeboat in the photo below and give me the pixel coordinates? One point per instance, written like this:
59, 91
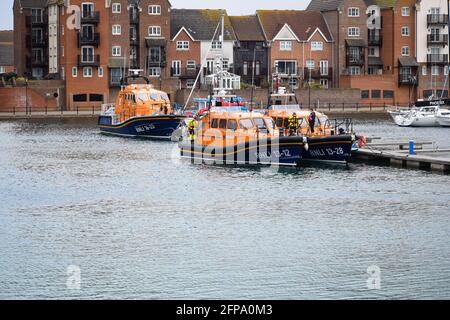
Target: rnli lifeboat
325, 142
232, 135
139, 111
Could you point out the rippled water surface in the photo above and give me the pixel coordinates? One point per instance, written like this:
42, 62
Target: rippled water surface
140, 223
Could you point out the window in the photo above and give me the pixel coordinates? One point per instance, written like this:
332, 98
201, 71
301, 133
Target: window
100, 72
74, 72
155, 54
353, 12
116, 8
245, 68
245, 124
292, 82
36, 15
354, 71
214, 123
116, 30
87, 10
115, 75
405, 12
87, 54
222, 123
445, 70
324, 67
405, 31
388, 94
154, 72
225, 64
376, 94
79, 97
424, 70
87, 72
182, 45
316, 46
310, 64
154, 31
324, 83
216, 45
176, 67
435, 70
232, 124
2, 69
96, 97
364, 94
353, 32
154, 10
190, 83
116, 51
285, 45
372, 52
286, 67
190, 64
405, 51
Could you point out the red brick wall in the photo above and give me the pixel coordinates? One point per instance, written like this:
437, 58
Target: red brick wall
14, 99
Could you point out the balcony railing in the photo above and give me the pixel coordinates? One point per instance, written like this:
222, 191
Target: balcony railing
437, 59
32, 42
36, 20
36, 62
185, 73
320, 73
261, 72
157, 62
90, 17
355, 60
88, 40
407, 79
88, 61
437, 39
437, 19
375, 39
134, 41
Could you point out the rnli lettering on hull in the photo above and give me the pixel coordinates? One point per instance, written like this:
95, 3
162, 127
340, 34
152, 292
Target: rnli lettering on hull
144, 127
276, 154
321, 152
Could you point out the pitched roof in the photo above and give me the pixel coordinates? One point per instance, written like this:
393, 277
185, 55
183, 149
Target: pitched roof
247, 28
33, 3
303, 23
6, 54
324, 5
6, 36
200, 23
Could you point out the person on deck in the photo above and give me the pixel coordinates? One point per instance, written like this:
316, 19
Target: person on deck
293, 124
312, 120
191, 130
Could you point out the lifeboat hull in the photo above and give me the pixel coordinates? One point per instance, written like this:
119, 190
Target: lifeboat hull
331, 149
152, 127
284, 151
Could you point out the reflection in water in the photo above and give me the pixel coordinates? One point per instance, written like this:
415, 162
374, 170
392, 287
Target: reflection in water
141, 223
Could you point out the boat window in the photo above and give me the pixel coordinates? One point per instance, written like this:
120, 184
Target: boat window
214, 123
285, 123
223, 123
143, 97
270, 124
232, 124
260, 124
280, 122
154, 96
245, 124
164, 96
133, 98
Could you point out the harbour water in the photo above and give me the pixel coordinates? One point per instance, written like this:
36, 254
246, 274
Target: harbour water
139, 222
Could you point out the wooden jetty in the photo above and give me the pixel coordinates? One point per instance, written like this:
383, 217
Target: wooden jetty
396, 154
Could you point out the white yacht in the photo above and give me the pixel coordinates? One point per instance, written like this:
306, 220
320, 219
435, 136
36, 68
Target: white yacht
421, 115
443, 117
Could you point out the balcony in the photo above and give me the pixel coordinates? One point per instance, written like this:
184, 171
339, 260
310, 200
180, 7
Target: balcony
262, 72
375, 39
437, 39
134, 18
134, 41
437, 59
36, 21
184, 73
407, 79
437, 19
157, 61
90, 17
32, 42
357, 60
115, 81
88, 40
88, 61
36, 62
325, 73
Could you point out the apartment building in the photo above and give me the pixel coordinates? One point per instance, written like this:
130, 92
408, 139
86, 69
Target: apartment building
432, 48
31, 50
6, 51
301, 47
251, 54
